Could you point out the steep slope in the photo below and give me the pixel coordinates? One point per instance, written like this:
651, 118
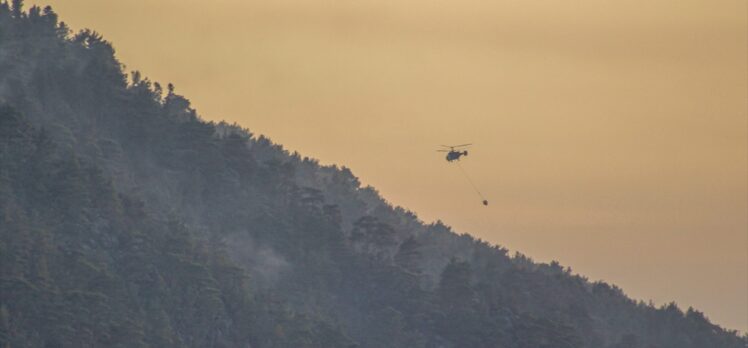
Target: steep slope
212, 236
81, 265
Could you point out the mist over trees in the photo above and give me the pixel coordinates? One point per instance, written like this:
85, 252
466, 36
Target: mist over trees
127, 220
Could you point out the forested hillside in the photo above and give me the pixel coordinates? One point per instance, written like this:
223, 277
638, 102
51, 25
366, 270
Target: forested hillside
127, 220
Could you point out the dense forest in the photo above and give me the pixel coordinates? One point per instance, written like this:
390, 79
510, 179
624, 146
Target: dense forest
126, 220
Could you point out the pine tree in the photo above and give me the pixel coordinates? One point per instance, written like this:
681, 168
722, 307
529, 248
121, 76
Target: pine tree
17, 8
455, 290
408, 255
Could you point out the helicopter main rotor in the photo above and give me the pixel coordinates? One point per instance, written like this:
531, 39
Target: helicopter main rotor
451, 147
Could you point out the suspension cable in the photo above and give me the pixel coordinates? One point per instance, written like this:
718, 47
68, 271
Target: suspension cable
485, 202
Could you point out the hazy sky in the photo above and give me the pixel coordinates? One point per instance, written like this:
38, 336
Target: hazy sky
611, 136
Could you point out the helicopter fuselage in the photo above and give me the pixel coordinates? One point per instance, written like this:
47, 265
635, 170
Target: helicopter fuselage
455, 155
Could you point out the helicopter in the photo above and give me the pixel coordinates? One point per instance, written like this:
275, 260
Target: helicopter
452, 154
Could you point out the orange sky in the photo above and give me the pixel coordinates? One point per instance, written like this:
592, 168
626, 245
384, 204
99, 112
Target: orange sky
611, 136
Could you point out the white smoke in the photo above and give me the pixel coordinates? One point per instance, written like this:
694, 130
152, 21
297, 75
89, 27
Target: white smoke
263, 263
